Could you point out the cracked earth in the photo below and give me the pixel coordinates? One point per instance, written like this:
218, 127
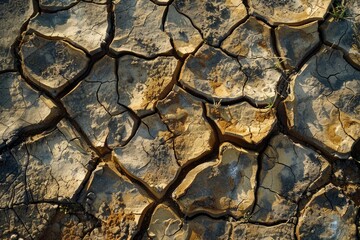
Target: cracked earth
179, 119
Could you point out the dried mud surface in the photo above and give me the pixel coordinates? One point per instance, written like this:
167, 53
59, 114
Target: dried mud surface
179, 119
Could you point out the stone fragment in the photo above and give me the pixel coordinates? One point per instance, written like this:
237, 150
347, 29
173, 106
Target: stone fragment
213, 75
94, 105
75, 24
252, 44
184, 116
185, 37
328, 215
223, 186
143, 82
138, 28
116, 201
323, 105
296, 42
149, 156
166, 225
215, 19
243, 121
56, 5
25, 221
51, 64
13, 15
289, 11
22, 109
254, 231
345, 33
47, 167
288, 171
204, 227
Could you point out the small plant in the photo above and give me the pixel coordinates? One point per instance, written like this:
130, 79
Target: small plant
356, 34
278, 64
246, 218
271, 104
216, 109
279, 61
217, 104
338, 11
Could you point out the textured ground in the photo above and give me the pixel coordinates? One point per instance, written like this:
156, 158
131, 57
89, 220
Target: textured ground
179, 119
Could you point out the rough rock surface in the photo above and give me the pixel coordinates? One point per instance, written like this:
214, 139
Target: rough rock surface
252, 44
288, 171
184, 116
51, 64
25, 221
94, 105
71, 224
345, 33
296, 42
143, 82
226, 185
185, 36
75, 25
138, 28
154, 162
13, 14
289, 11
182, 119
253, 231
48, 167
215, 19
204, 227
238, 121
165, 224
55, 5
21, 107
346, 172
138, 84
116, 201
213, 74
323, 104
328, 215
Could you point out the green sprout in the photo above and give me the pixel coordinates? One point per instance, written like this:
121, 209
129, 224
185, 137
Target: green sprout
216, 104
271, 104
356, 34
338, 11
